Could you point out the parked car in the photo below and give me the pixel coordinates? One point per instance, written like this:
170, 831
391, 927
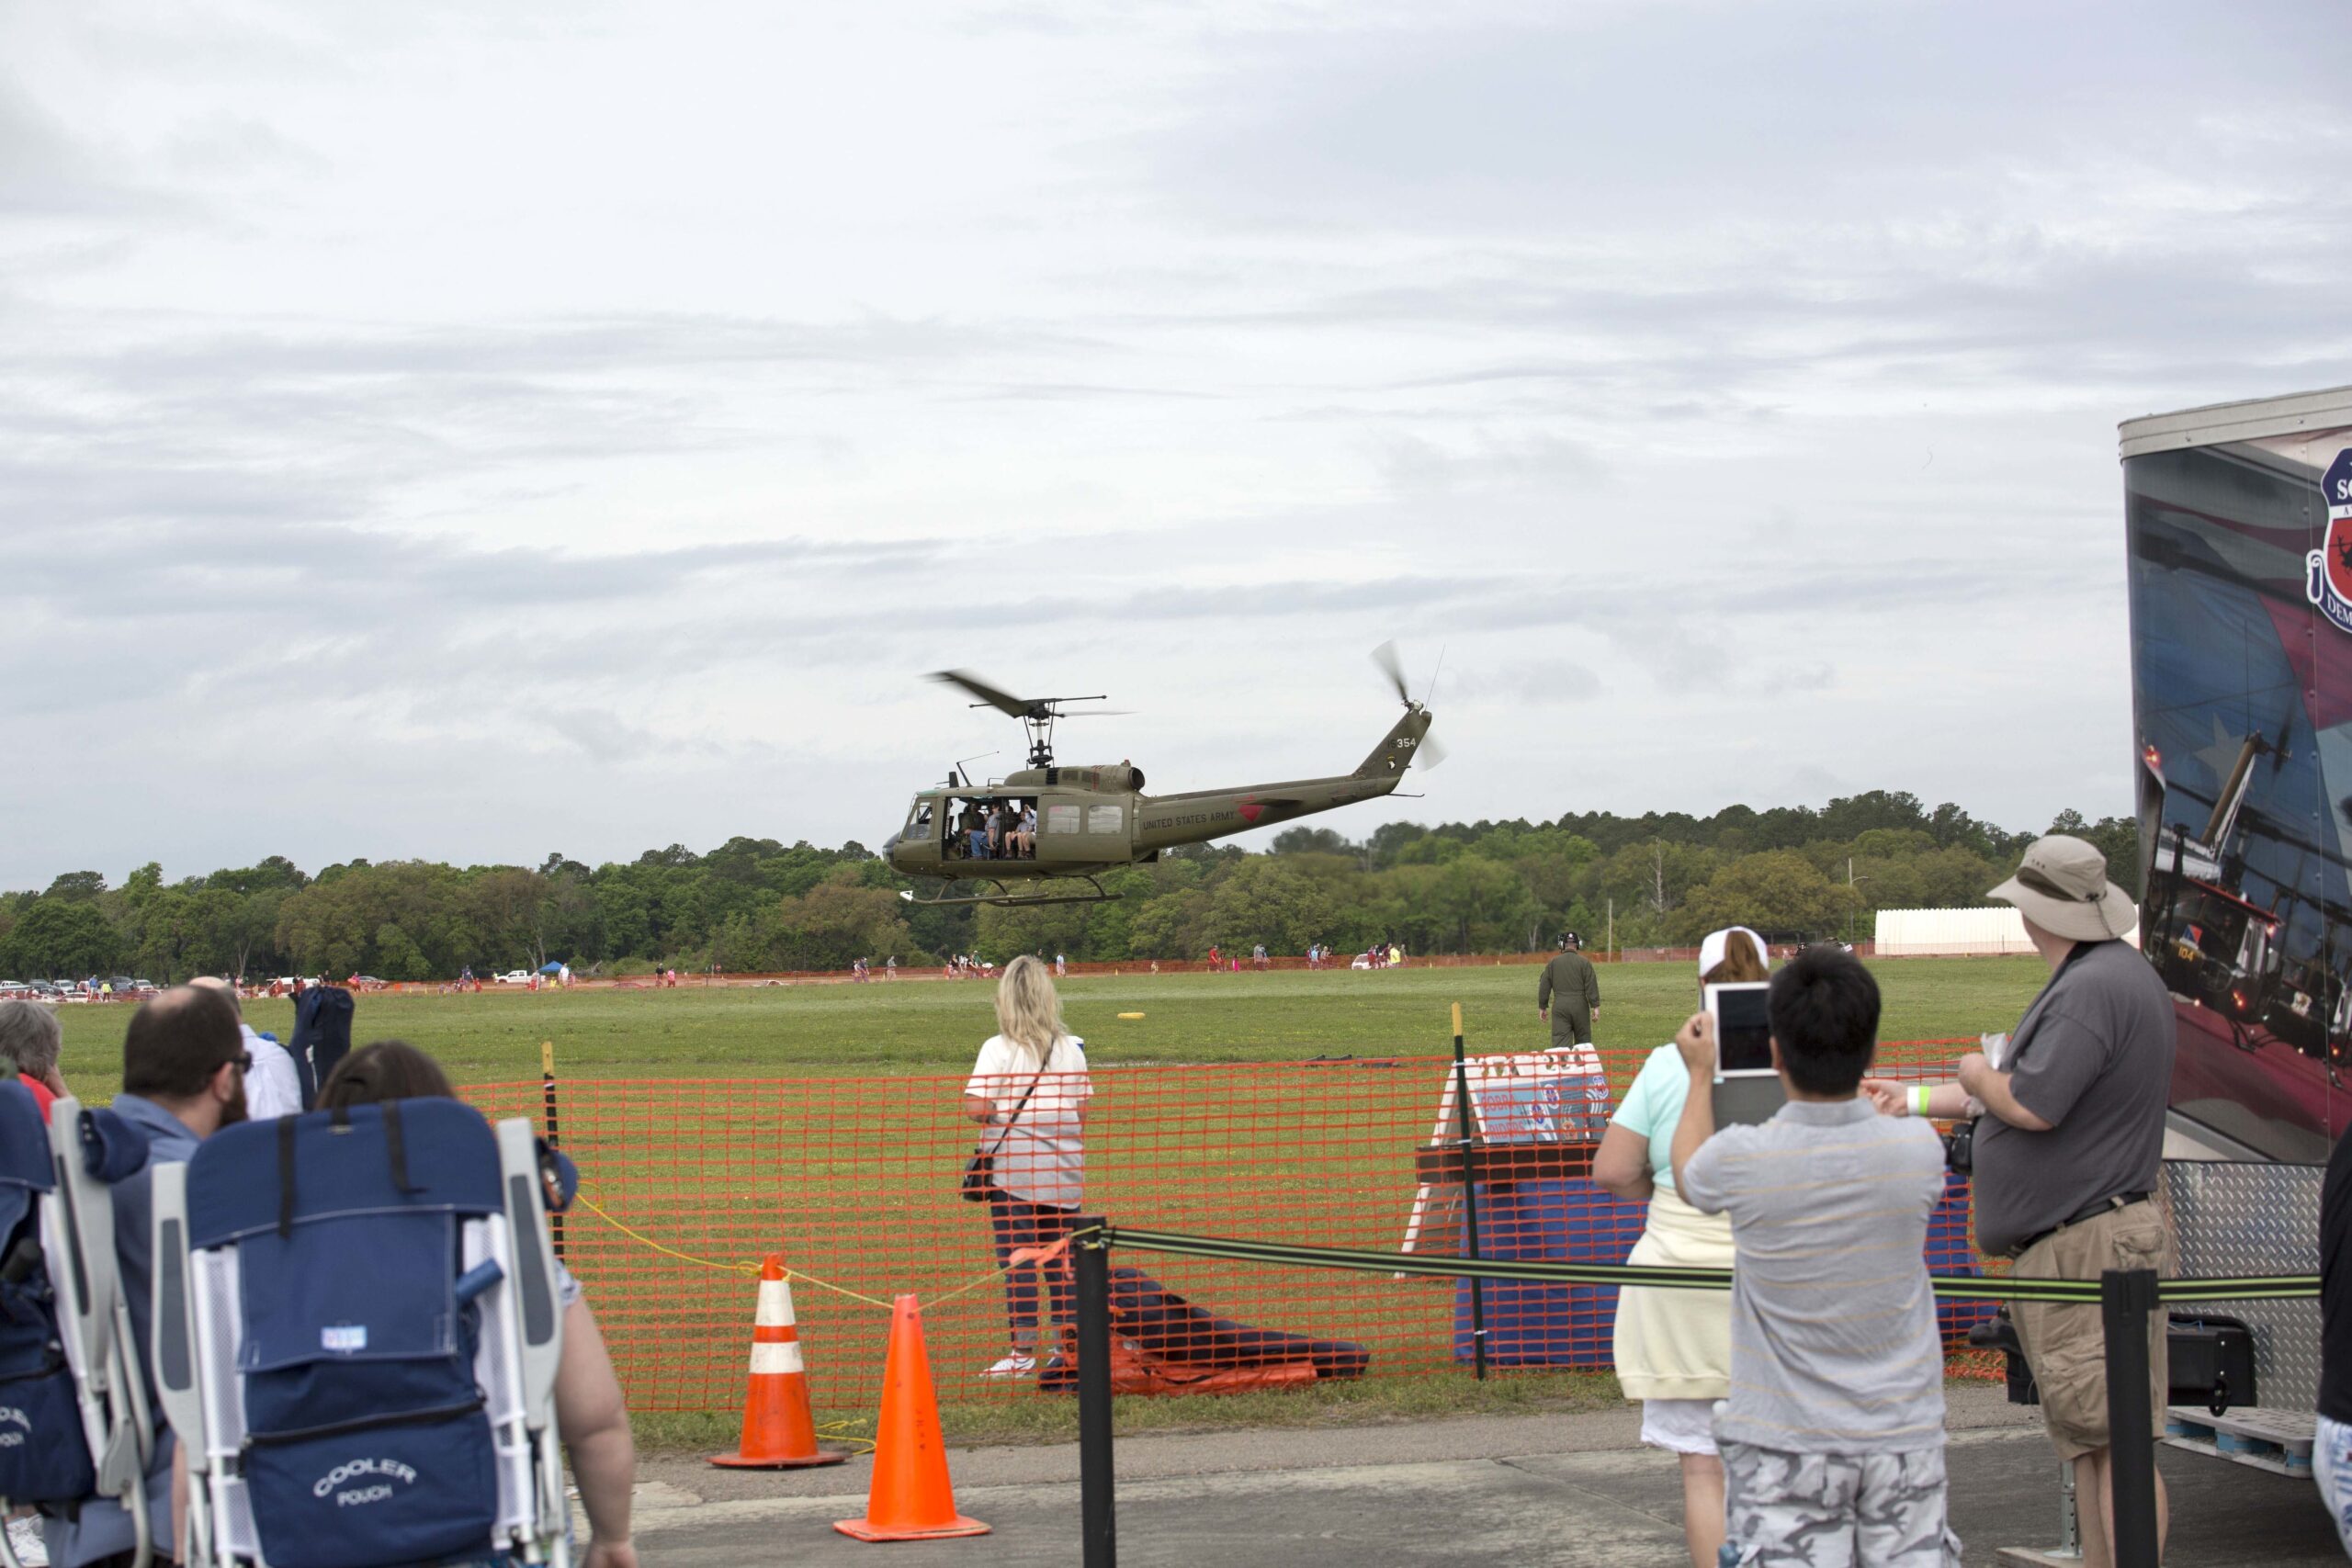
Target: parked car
514, 978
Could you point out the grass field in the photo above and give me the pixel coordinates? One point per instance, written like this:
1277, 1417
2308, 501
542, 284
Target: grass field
934, 1026
855, 1179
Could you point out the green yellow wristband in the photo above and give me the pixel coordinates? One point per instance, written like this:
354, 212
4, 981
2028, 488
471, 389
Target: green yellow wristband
1919, 1093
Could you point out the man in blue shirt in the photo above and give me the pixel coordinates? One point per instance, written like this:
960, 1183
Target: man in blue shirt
183, 1079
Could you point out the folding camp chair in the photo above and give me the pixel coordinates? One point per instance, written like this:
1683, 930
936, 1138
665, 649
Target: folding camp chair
356, 1330
70, 1394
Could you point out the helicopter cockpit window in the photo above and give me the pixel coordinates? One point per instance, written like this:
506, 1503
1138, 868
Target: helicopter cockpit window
919, 822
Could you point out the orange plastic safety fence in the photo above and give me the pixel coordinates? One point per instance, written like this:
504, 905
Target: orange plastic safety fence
855, 1180
879, 975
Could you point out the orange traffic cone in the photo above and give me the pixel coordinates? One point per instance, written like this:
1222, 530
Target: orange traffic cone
777, 1431
910, 1498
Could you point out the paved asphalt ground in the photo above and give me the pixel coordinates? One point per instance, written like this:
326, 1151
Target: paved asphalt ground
1572, 1491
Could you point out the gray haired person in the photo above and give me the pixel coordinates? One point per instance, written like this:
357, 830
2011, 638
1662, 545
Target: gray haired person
31, 1039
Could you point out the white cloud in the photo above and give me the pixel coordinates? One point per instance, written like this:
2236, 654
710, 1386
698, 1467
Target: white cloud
459, 430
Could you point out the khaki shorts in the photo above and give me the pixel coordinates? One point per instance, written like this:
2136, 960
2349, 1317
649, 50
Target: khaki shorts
2066, 1343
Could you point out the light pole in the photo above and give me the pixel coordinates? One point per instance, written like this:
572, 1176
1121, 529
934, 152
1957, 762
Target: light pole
1853, 882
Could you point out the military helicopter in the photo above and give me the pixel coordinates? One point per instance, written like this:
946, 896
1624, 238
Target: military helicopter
1094, 818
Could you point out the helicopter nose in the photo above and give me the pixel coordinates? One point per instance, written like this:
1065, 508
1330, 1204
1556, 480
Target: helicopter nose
890, 845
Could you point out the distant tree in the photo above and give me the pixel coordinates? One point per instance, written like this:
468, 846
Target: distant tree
63, 937
76, 885
1306, 841
1268, 900
1174, 925
1779, 892
834, 923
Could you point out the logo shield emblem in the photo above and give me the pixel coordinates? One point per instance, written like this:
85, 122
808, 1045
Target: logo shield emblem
2338, 550
2329, 584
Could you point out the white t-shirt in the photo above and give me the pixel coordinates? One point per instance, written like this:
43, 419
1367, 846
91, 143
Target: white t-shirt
1043, 1156
273, 1089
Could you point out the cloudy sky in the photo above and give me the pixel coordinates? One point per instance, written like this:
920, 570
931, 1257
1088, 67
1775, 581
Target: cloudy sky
474, 429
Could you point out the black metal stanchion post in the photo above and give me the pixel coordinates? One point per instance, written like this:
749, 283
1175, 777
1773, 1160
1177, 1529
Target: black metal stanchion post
2126, 1298
1469, 1198
1097, 1526
555, 1133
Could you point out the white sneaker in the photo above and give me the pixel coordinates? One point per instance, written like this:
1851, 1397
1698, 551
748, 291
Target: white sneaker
24, 1540
1016, 1365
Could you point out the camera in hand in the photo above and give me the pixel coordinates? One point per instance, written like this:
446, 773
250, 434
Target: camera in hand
1959, 1147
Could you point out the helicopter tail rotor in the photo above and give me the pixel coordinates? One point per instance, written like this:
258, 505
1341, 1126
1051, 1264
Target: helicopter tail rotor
1427, 752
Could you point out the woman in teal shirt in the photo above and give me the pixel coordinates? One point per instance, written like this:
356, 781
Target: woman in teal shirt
1673, 1347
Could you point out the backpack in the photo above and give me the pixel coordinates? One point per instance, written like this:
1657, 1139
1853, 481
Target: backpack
44, 1451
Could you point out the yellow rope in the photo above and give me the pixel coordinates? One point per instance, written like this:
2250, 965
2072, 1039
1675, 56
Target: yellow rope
638, 1236
799, 1275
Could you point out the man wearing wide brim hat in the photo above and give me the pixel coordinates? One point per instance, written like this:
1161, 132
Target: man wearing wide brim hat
2070, 1126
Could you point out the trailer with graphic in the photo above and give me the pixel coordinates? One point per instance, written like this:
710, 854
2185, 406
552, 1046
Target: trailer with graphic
2238, 533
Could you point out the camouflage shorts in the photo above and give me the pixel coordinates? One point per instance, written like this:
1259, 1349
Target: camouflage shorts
1792, 1510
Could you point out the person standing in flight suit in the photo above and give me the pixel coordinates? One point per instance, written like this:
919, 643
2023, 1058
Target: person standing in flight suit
1569, 995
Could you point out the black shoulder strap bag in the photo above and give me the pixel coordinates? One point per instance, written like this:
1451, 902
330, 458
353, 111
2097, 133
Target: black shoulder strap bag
980, 1171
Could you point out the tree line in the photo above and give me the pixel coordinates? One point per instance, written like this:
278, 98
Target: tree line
1792, 873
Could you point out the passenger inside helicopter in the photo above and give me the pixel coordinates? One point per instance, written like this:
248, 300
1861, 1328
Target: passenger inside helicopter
992, 827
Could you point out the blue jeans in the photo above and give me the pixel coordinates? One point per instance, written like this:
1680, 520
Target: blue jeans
1017, 1222
2332, 1468
979, 843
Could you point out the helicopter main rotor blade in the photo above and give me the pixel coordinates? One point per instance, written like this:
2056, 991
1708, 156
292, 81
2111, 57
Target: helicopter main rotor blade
1394, 668
1002, 700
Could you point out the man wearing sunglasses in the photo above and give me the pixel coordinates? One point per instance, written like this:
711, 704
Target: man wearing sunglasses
2069, 1143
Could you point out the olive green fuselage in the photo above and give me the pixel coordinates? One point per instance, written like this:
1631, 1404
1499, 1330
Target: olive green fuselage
1089, 819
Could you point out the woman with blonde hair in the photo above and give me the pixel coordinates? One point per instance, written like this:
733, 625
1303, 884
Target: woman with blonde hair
1673, 1347
1029, 1088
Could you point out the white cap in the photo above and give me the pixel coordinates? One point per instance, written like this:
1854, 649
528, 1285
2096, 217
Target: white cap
1710, 951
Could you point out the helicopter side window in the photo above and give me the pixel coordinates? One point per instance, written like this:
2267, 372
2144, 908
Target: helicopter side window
1061, 820
1104, 818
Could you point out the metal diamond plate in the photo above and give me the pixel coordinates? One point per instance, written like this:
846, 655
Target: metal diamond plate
2256, 1219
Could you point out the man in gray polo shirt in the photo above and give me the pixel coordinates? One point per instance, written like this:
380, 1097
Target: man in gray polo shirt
1833, 1437
2070, 1133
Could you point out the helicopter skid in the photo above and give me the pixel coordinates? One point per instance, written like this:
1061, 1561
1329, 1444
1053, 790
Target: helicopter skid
1005, 900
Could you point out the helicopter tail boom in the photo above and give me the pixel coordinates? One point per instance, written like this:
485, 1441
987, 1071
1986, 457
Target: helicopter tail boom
1398, 747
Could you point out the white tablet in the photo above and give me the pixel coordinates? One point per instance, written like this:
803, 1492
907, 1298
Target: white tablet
1742, 1033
